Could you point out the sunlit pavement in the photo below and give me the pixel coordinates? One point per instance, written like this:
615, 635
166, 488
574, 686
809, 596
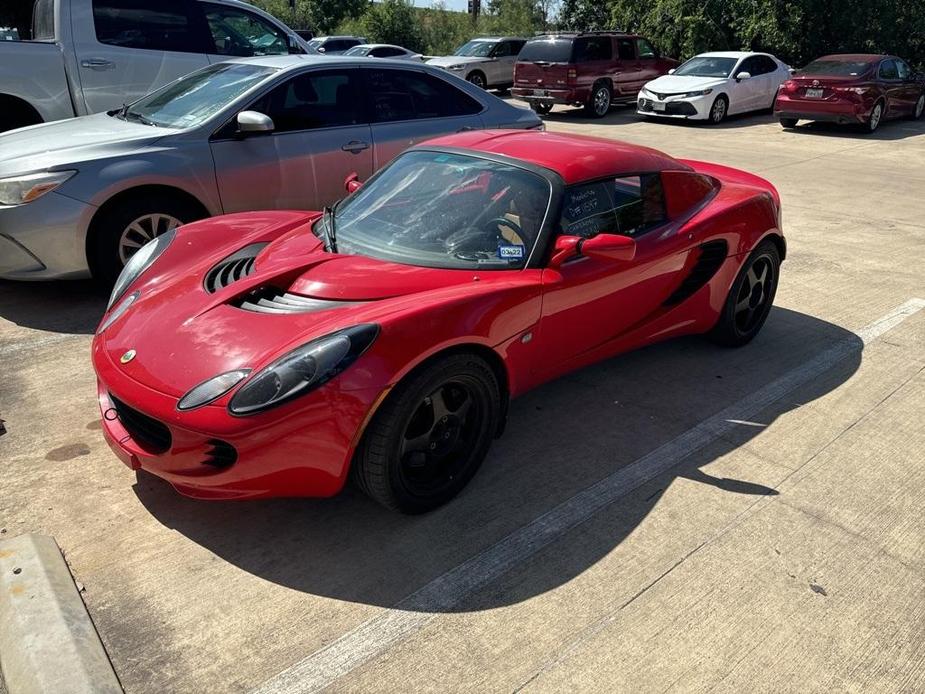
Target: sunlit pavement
680, 518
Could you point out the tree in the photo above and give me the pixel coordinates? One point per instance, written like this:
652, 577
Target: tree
393, 21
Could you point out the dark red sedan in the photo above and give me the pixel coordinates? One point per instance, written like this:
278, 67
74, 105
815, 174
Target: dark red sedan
855, 88
274, 353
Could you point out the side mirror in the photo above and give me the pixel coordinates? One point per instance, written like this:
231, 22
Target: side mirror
743, 76
608, 247
352, 182
320, 49
671, 71
254, 122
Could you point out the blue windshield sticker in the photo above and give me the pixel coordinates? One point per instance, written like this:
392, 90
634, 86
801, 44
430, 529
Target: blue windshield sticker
508, 251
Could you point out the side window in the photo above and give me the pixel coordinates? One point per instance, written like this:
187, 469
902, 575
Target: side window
749, 65
517, 47
767, 64
238, 32
321, 99
398, 95
626, 49
902, 69
502, 50
386, 52
645, 49
592, 48
629, 205
888, 70
170, 25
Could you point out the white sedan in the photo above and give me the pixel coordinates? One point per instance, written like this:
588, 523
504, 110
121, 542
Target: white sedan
711, 86
383, 50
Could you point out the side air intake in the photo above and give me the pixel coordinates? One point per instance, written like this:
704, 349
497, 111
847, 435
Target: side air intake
273, 300
712, 255
232, 268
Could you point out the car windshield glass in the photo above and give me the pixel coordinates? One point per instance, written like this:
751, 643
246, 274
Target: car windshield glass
436, 209
475, 49
835, 68
314, 43
546, 51
706, 66
358, 50
195, 98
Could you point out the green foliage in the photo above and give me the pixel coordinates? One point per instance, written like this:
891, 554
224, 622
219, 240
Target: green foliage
321, 16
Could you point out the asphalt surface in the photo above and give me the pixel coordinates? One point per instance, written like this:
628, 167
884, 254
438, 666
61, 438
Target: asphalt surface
680, 518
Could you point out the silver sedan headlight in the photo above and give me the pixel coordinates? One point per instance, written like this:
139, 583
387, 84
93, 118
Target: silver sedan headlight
455, 67
140, 262
17, 190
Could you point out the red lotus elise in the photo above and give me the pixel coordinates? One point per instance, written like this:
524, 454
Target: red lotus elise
272, 353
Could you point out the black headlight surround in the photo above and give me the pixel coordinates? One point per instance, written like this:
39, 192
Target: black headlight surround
361, 338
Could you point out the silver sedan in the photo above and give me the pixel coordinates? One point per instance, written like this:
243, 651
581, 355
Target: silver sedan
80, 197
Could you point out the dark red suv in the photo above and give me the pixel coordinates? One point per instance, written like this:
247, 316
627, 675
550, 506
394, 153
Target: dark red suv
590, 69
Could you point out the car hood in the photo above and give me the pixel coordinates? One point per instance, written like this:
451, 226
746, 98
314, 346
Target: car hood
184, 334
447, 60
679, 84
72, 141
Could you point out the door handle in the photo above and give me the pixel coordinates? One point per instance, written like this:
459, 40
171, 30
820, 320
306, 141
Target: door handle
355, 146
98, 64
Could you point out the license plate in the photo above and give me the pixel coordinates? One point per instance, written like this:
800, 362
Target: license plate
539, 92
814, 93
656, 106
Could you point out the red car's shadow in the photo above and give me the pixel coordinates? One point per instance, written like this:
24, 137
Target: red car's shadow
561, 439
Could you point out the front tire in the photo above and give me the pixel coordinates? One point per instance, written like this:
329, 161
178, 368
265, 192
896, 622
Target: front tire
430, 436
788, 123
719, 109
478, 79
599, 102
122, 228
750, 298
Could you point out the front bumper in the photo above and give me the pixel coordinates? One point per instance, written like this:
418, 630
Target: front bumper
45, 239
301, 449
694, 108
568, 97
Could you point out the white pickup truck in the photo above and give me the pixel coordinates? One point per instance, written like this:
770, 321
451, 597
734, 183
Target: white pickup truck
87, 56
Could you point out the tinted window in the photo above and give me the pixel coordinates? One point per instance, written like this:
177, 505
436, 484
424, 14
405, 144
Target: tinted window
386, 52
749, 65
236, 32
629, 205
170, 25
547, 50
626, 49
835, 68
645, 49
593, 48
320, 99
888, 70
398, 95
766, 64
903, 69
43, 20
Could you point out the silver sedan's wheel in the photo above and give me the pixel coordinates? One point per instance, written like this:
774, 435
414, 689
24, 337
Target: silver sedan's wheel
718, 111
142, 230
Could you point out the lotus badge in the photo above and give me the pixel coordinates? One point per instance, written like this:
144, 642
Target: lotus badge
127, 357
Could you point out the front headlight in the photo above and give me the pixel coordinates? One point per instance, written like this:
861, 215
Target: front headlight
118, 311
211, 390
645, 91
702, 92
303, 369
18, 190
140, 262
455, 67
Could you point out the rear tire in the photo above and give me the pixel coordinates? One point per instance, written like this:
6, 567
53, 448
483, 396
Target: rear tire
600, 101
430, 436
124, 226
919, 107
875, 117
788, 123
15, 113
750, 299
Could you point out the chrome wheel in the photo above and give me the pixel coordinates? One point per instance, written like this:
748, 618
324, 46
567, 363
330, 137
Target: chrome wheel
919, 107
875, 116
718, 112
752, 301
142, 230
601, 101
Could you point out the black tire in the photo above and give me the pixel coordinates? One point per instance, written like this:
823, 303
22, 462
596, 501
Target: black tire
747, 308
875, 118
109, 225
411, 459
919, 108
478, 79
540, 108
16, 114
718, 110
599, 101
788, 123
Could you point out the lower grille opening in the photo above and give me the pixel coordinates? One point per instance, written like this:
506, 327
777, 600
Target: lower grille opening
146, 430
221, 454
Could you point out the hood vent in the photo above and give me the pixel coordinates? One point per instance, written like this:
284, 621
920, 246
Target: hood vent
232, 268
273, 300
712, 255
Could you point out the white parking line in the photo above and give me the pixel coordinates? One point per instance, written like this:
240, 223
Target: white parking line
369, 639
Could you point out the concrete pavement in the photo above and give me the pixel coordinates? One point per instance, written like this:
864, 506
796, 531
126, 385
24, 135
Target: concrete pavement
785, 552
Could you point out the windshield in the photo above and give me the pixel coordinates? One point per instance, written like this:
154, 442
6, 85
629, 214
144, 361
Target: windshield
475, 49
359, 50
193, 99
314, 43
835, 68
546, 51
435, 209
706, 66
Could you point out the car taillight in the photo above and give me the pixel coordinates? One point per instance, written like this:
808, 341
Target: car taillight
853, 90
788, 87
572, 73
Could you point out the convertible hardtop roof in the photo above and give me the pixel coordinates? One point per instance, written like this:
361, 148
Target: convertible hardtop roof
575, 158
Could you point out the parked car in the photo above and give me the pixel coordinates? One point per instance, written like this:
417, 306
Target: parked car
9, 34
335, 45
857, 88
588, 69
88, 56
711, 86
276, 353
383, 50
486, 62
84, 195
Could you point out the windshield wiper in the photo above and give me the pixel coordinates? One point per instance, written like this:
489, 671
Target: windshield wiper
330, 235
131, 115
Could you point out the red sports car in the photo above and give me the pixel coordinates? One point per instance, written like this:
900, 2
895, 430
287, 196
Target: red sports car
861, 89
274, 353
